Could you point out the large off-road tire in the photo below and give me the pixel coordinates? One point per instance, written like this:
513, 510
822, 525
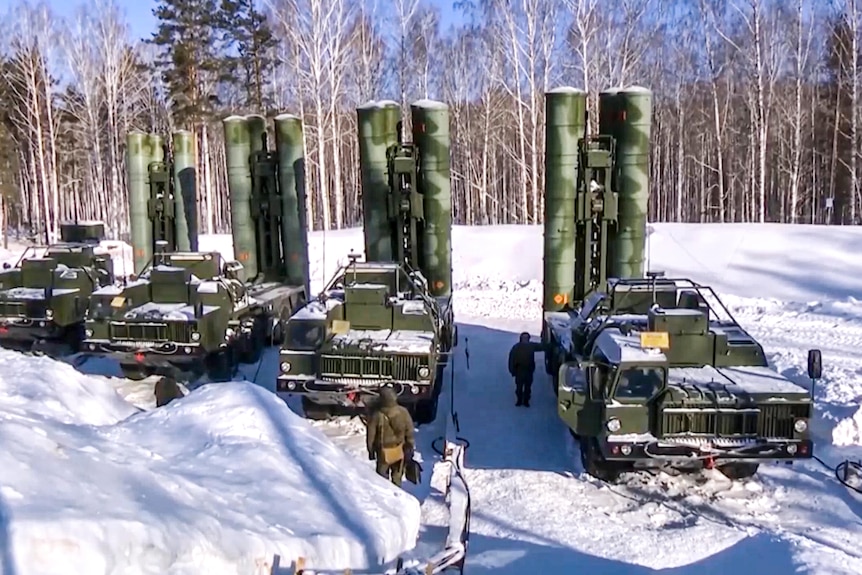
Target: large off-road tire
426, 411
221, 365
253, 346
135, 372
595, 464
315, 411
739, 469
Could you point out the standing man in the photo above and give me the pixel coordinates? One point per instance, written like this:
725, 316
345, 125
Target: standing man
390, 437
522, 365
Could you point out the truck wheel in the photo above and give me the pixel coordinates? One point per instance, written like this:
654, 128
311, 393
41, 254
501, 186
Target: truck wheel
315, 411
134, 371
221, 365
738, 470
426, 411
595, 464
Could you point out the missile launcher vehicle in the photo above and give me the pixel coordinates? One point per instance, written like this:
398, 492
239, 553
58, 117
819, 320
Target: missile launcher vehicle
190, 312
649, 371
44, 297
386, 321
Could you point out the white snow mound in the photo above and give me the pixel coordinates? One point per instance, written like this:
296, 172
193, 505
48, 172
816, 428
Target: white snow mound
220, 481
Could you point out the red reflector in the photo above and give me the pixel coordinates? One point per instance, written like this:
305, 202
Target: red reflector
139, 357
4, 329
803, 449
615, 449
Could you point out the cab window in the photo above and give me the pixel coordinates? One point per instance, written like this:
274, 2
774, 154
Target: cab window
305, 335
639, 382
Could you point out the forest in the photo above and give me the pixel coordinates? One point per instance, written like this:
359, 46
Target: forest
756, 111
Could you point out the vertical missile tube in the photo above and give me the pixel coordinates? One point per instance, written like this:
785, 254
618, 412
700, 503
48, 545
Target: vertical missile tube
565, 113
185, 183
430, 121
237, 137
256, 130
291, 182
378, 130
137, 160
626, 114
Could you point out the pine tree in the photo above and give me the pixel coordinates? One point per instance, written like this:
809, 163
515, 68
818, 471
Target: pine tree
247, 31
190, 62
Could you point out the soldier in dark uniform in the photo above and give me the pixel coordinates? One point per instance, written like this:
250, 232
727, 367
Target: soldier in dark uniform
522, 365
390, 437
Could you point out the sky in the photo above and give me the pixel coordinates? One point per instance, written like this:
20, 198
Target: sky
143, 23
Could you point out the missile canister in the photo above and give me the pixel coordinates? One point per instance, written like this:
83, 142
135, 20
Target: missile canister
237, 137
256, 130
291, 182
430, 121
185, 197
378, 130
565, 113
137, 160
626, 114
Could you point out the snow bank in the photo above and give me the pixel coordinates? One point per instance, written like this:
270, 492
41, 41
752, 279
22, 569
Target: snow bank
218, 482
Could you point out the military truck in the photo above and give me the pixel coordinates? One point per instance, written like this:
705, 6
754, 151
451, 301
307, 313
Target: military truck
648, 371
190, 312
386, 321
44, 296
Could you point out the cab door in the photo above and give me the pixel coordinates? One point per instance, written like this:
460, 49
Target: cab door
573, 398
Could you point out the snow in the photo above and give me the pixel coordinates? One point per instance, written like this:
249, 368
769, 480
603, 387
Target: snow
566, 90
397, 341
533, 507
167, 311
430, 104
93, 484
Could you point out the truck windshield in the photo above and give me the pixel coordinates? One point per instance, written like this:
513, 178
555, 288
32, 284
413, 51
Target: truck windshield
639, 382
304, 335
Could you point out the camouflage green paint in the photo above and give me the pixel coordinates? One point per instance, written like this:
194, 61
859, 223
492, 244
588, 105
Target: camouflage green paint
154, 148
626, 114
378, 129
565, 113
430, 120
291, 183
185, 200
237, 139
137, 159
256, 129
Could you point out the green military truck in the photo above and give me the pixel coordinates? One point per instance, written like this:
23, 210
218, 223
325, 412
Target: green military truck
388, 320
657, 372
374, 324
44, 297
190, 314
648, 371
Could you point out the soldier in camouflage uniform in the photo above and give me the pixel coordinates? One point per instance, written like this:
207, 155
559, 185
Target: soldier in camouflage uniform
390, 437
522, 365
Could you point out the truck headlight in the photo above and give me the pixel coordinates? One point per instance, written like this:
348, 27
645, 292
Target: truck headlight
424, 372
285, 366
196, 336
88, 333
613, 425
800, 426
49, 313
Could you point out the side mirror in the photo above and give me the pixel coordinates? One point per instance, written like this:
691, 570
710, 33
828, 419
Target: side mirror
815, 364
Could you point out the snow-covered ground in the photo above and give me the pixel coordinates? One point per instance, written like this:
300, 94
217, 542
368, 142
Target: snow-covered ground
534, 511
222, 482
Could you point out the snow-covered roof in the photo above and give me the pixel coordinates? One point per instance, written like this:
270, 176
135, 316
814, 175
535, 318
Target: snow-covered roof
430, 104
620, 348
25, 293
566, 90
315, 309
166, 311
751, 379
398, 341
